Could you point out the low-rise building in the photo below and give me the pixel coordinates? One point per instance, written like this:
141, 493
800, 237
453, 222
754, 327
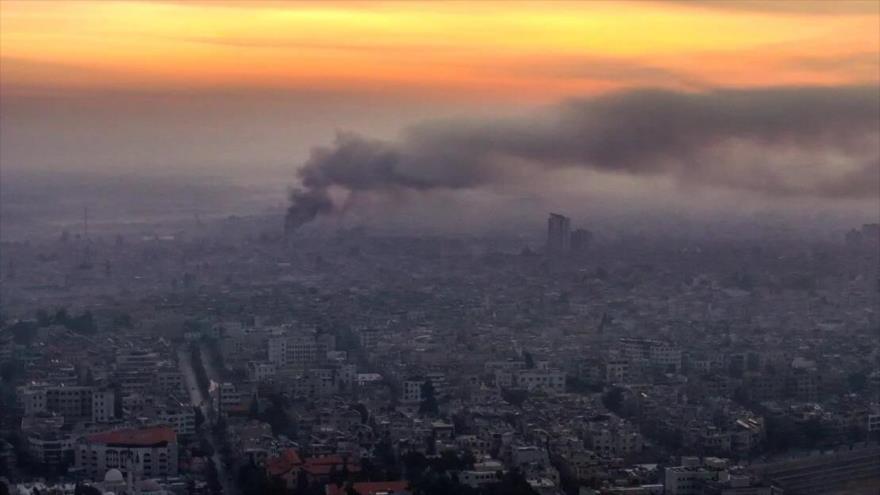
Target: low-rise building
151, 452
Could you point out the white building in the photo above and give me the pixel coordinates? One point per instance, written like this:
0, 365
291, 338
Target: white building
152, 452
529, 454
657, 353
617, 371
50, 448
33, 400
229, 397
182, 420
369, 338
298, 351
72, 402
541, 380
483, 473
259, 371
103, 406
691, 476
323, 381
874, 420
169, 381
618, 440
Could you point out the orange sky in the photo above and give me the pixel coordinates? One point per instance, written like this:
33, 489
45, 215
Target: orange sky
527, 50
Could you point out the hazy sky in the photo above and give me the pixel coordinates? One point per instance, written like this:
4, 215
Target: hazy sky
245, 89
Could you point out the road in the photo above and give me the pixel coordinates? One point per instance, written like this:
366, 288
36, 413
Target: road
198, 399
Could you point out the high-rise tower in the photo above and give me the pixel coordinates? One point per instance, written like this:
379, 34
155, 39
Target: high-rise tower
558, 234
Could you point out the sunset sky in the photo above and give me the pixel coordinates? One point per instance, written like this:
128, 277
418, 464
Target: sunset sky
440, 50
770, 99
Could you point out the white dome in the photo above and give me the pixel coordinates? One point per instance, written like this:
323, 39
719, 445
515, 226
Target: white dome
113, 476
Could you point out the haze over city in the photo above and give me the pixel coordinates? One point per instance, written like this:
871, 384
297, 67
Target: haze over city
439, 247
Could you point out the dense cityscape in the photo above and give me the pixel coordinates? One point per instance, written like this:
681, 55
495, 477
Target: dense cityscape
440, 247
193, 362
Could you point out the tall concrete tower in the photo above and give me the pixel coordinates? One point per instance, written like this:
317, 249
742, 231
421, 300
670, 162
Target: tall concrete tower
558, 234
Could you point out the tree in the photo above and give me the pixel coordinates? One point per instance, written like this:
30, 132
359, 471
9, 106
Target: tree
88, 377
815, 432
512, 483
277, 418
85, 490
414, 463
43, 318
23, 332
362, 410
514, 397
254, 409
857, 381
530, 360
61, 316
200, 418
613, 399
450, 460
429, 401
220, 426
11, 370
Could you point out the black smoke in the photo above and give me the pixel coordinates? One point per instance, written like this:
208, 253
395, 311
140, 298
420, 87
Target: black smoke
305, 205
807, 142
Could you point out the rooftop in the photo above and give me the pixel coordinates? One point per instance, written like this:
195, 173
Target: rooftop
139, 437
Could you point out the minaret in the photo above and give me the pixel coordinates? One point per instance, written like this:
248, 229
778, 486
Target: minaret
129, 475
132, 465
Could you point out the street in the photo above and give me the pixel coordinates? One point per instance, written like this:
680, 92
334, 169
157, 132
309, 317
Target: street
198, 399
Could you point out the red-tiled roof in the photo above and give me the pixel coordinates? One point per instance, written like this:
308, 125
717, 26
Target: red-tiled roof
289, 459
371, 487
322, 466
138, 437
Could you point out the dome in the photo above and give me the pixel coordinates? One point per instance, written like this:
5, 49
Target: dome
113, 476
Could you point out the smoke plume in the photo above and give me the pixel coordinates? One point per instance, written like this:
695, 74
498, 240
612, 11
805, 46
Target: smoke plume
809, 142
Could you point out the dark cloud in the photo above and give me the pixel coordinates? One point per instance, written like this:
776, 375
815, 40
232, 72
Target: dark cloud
810, 142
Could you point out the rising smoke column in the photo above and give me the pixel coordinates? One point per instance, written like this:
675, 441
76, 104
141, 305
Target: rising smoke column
808, 142
305, 205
